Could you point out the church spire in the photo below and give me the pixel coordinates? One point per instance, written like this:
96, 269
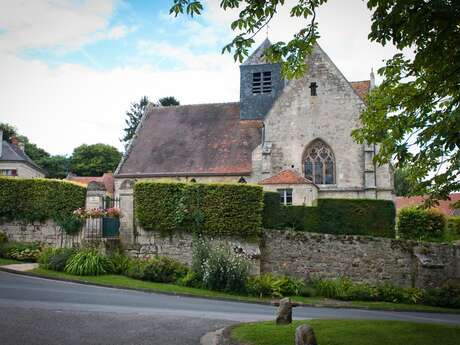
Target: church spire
257, 58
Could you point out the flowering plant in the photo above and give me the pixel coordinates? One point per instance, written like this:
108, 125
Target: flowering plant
80, 213
112, 212
96, 212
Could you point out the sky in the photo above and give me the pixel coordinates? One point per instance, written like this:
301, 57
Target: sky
69, 69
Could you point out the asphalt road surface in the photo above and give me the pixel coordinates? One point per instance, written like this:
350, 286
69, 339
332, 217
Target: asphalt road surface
41, 311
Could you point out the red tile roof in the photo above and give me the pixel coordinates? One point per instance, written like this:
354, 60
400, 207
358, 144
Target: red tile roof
286, 177
106, 179
444, 205
362, 88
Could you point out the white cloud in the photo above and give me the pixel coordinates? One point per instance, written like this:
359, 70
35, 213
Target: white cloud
343, 26
115, 33
61, 108
63, 24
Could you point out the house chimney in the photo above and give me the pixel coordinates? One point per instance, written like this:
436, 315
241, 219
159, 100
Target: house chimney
1, 142
372, 79
20, 145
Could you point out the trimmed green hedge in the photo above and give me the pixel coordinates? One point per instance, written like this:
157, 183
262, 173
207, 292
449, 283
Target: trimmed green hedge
420, 224
357, 217
453, 225
332, 216
209, 209
38, 199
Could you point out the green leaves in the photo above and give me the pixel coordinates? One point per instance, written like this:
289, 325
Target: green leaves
414, 114
33, 200
94, 160
191, 7
88, 263
209, 209
254, 16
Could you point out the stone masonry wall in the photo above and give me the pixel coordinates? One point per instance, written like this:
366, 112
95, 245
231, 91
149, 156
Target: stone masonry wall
179, 247
47, 233
368, 259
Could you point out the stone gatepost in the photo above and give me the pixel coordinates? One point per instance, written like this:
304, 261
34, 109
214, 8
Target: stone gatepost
95, 194
126, 196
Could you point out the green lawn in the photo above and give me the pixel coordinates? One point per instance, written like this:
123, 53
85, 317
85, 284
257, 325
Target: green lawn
126, 282
4, 262
350, 332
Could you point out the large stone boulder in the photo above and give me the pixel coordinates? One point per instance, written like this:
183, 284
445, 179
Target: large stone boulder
304, 335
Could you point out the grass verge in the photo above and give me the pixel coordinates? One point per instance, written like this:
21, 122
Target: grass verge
4, 262
130, 283
356, 332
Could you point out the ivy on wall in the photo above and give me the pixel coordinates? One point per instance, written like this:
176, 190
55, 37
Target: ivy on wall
208, 209
32, 200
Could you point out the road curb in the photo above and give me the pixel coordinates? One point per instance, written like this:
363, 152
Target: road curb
220, 337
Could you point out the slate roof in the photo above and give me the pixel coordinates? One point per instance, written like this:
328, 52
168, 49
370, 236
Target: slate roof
286, 177
362, 88
443, 207
256, 58
12, 153
106, 180
192, 140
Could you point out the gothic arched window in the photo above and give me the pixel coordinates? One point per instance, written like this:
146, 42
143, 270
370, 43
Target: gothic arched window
319, 163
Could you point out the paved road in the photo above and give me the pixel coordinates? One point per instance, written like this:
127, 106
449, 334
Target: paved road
41, 311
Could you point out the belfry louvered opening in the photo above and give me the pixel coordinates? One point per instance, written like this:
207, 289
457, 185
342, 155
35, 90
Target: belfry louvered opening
261, 82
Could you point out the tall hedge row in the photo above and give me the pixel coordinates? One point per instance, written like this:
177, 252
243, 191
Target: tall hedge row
332, 216
32, 200
420, 224
209, 209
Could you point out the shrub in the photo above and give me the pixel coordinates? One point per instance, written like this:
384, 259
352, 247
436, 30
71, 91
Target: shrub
420, 224
200, 253
271, 216
136, 269
88, 263
55, 258
211, 209
333, 216
3, 237
345, 289
121, 263
274, 286
59, 260
357, 217
162, 269
224, 271
38, 199
191, 279
20, 251
45, 256
448, 295
453, 225
69, 223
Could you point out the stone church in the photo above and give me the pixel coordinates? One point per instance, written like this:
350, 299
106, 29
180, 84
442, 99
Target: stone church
293, 137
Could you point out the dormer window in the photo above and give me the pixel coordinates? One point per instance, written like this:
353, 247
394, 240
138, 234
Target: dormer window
261, 82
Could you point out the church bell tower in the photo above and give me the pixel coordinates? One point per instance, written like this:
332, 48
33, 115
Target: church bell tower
260, 85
